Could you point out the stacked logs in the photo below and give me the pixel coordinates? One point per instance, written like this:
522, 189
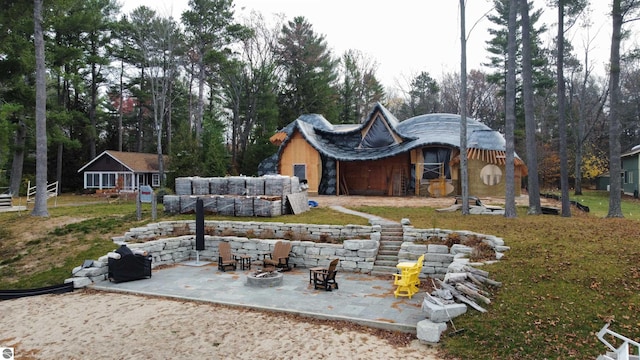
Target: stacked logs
470, 286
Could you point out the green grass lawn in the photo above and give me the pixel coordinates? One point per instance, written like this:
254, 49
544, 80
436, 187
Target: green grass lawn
563, 278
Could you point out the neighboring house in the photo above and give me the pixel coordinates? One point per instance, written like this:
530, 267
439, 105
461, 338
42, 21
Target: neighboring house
383, 156
124, 171
631, 171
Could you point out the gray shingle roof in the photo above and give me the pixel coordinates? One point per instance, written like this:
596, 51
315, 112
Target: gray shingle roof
342, 142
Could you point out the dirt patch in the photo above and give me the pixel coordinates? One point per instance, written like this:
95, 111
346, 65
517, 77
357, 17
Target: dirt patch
412, 201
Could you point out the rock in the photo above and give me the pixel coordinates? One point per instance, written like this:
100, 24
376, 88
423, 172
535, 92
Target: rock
405, 221
429, 331
442, 313
79, 282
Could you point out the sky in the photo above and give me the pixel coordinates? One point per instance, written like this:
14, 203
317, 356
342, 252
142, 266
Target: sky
406, 37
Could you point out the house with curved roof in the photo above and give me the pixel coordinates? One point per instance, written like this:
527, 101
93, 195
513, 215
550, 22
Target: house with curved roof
384, 156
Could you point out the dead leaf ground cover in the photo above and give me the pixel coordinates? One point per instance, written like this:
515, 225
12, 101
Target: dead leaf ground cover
562, 279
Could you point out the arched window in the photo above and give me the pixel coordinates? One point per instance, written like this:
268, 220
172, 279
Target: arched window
491, 175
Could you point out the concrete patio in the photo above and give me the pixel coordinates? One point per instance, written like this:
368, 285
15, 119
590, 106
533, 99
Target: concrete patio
362, 299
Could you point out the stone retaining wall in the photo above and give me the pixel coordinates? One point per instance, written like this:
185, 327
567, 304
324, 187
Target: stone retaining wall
439, 257
356, 246
355, 255
253, 229
312, 245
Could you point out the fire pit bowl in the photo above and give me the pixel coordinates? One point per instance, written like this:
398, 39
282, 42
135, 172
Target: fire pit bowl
264, 279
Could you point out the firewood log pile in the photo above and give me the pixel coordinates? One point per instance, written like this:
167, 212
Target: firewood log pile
469, 285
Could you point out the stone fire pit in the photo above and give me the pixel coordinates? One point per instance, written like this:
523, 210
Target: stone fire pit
264, 279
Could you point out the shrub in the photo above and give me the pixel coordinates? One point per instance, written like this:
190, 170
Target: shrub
210, 230
267, 234
228, 232
482, 252
180, 230
452, 239
325, 238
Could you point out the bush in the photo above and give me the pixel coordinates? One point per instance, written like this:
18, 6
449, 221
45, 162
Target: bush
161, 192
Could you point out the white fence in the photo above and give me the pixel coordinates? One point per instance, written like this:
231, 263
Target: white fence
52, 192
622, 352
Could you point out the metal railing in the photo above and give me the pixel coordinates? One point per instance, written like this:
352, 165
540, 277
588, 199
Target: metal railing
622, 352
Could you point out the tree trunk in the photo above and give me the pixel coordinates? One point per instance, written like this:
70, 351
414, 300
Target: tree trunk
92, 108
562, 116
464, 176
200, 105
533, 185
18, 159
40, 207
615, 196
120, 105
510, 114
168, 124
140, 116
59, 166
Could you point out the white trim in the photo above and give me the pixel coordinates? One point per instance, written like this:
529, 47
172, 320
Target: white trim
100, 184
111, 156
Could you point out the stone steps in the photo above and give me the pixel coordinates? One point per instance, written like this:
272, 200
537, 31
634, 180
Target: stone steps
383, 270
391, 238
387, 257
390, 252
386, 263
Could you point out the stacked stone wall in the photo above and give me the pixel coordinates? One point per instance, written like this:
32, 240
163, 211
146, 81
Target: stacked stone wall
438, 256
356, 246
265, 196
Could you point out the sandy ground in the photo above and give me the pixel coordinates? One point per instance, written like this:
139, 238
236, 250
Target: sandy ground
89, 324
97, 325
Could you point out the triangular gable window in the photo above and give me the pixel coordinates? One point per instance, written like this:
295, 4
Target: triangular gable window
378, 135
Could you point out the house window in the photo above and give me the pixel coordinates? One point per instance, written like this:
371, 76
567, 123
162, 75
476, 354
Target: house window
108, 180
155, 180
628, 177
491, 175
300, 171
436, 163
92, 180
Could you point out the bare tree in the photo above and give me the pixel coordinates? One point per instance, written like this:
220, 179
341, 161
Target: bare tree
464, 173
533, 185
510, 112
40, 207
587, 100
620, 8
162, 55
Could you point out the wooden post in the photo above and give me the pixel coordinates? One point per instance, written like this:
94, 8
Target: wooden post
154, 207
138, 206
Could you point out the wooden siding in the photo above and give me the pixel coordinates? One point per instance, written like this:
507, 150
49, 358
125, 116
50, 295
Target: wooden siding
106, 163
298, 151
387, 176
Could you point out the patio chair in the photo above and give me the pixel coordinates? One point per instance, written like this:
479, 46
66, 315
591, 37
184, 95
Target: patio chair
406, 282
419, 265
225, 257
279, 258
326, 278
